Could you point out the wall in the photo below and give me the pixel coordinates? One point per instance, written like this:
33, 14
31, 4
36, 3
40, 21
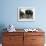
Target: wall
9, 13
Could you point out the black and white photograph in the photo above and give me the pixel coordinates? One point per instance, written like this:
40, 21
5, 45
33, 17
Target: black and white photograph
26, 14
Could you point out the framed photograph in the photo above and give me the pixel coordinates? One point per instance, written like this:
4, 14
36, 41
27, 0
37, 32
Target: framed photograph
26, 14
